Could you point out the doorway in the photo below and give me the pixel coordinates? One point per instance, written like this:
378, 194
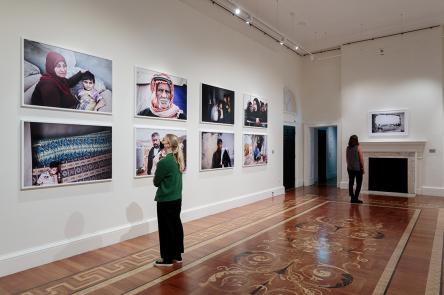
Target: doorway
325, 155
289, 157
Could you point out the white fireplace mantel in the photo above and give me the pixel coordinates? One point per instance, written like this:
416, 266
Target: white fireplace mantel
412, 150
416, 146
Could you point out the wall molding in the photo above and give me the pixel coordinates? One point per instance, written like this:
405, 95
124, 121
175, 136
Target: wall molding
432, 191
24, 259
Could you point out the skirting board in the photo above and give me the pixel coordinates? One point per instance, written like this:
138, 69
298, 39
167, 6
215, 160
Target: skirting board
425, 190
299, 182
25, 259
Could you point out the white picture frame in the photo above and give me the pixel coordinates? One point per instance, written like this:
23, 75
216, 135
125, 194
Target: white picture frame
141, 90
33, 60
162, 131
254, 156
254, 118
56, 128
388, 123
206, 152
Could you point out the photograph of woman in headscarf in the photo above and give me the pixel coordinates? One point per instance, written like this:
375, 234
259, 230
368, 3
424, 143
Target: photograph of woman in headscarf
255, 112
55, 77
159, 95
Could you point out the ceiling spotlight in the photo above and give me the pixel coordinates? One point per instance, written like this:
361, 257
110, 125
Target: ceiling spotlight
249, 20
296, 47
237, 11
282, 41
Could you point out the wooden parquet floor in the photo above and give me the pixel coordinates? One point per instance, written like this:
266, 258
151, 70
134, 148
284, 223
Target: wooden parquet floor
310, 241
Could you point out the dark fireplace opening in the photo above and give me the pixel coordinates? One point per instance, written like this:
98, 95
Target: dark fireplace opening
388, 175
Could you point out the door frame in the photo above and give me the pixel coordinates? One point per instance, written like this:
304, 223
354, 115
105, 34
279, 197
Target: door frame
308, 151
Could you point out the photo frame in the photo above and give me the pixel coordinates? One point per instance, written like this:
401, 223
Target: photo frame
388, 123
58, 153
216, 150
217, 105
160, 95
255, 111
146, 155
254, 149
58, 78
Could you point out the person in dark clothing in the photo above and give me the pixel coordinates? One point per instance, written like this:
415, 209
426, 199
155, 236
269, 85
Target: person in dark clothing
355, 168
221, 158
154, 150
168, 180
53, 89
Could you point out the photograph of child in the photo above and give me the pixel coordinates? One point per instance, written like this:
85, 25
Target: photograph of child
160, 95
217, 150
149, 149
255, 150
217, 105
55, 77
60, 153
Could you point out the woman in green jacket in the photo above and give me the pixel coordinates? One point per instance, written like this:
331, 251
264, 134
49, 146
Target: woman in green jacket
168, 180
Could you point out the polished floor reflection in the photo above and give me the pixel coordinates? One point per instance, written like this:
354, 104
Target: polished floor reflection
310, 241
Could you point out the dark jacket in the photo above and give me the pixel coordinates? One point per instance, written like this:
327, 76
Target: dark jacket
216, 162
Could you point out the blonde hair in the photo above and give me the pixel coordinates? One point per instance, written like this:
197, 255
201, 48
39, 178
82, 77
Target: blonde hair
246, 149
176, 150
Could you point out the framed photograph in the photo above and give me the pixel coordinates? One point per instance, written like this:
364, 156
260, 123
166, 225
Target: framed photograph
255, 149
388, 123
58, 78
255, 111
217, 105
55, 154
160, 95
217, 150
149, 148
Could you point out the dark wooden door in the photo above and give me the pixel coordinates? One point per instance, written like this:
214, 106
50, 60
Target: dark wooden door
289, 157
322, 156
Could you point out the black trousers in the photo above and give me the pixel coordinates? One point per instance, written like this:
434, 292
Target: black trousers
351, 181
170, 229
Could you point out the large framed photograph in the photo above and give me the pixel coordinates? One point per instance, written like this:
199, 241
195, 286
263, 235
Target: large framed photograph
160, 95
55, 153
64, 79
217, 150
255, 111
388, 123
217, 105
149, 149
255, 149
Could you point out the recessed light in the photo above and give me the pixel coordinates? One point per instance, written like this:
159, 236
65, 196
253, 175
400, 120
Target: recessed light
237, 11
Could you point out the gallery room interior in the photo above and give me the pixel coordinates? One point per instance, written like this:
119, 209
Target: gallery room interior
255, 103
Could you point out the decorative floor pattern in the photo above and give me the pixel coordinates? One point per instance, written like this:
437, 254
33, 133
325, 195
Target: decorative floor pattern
97, 277
332, 250
312, 242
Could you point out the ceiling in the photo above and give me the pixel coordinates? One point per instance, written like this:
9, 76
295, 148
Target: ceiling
318, 25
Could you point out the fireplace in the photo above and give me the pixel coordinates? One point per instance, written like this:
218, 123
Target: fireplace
388, 174
407, 156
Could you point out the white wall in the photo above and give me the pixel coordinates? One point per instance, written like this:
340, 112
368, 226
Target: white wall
408, 76
48, 224
344, 85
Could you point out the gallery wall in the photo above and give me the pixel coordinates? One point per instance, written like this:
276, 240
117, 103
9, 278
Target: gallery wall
344, 85
43, 225
401, 72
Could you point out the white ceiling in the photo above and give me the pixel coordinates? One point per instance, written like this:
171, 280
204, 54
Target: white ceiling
321, 24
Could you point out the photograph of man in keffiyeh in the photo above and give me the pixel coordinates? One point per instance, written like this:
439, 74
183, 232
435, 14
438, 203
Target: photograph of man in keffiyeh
160, 97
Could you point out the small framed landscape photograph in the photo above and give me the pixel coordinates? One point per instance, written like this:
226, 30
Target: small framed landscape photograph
388, 123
